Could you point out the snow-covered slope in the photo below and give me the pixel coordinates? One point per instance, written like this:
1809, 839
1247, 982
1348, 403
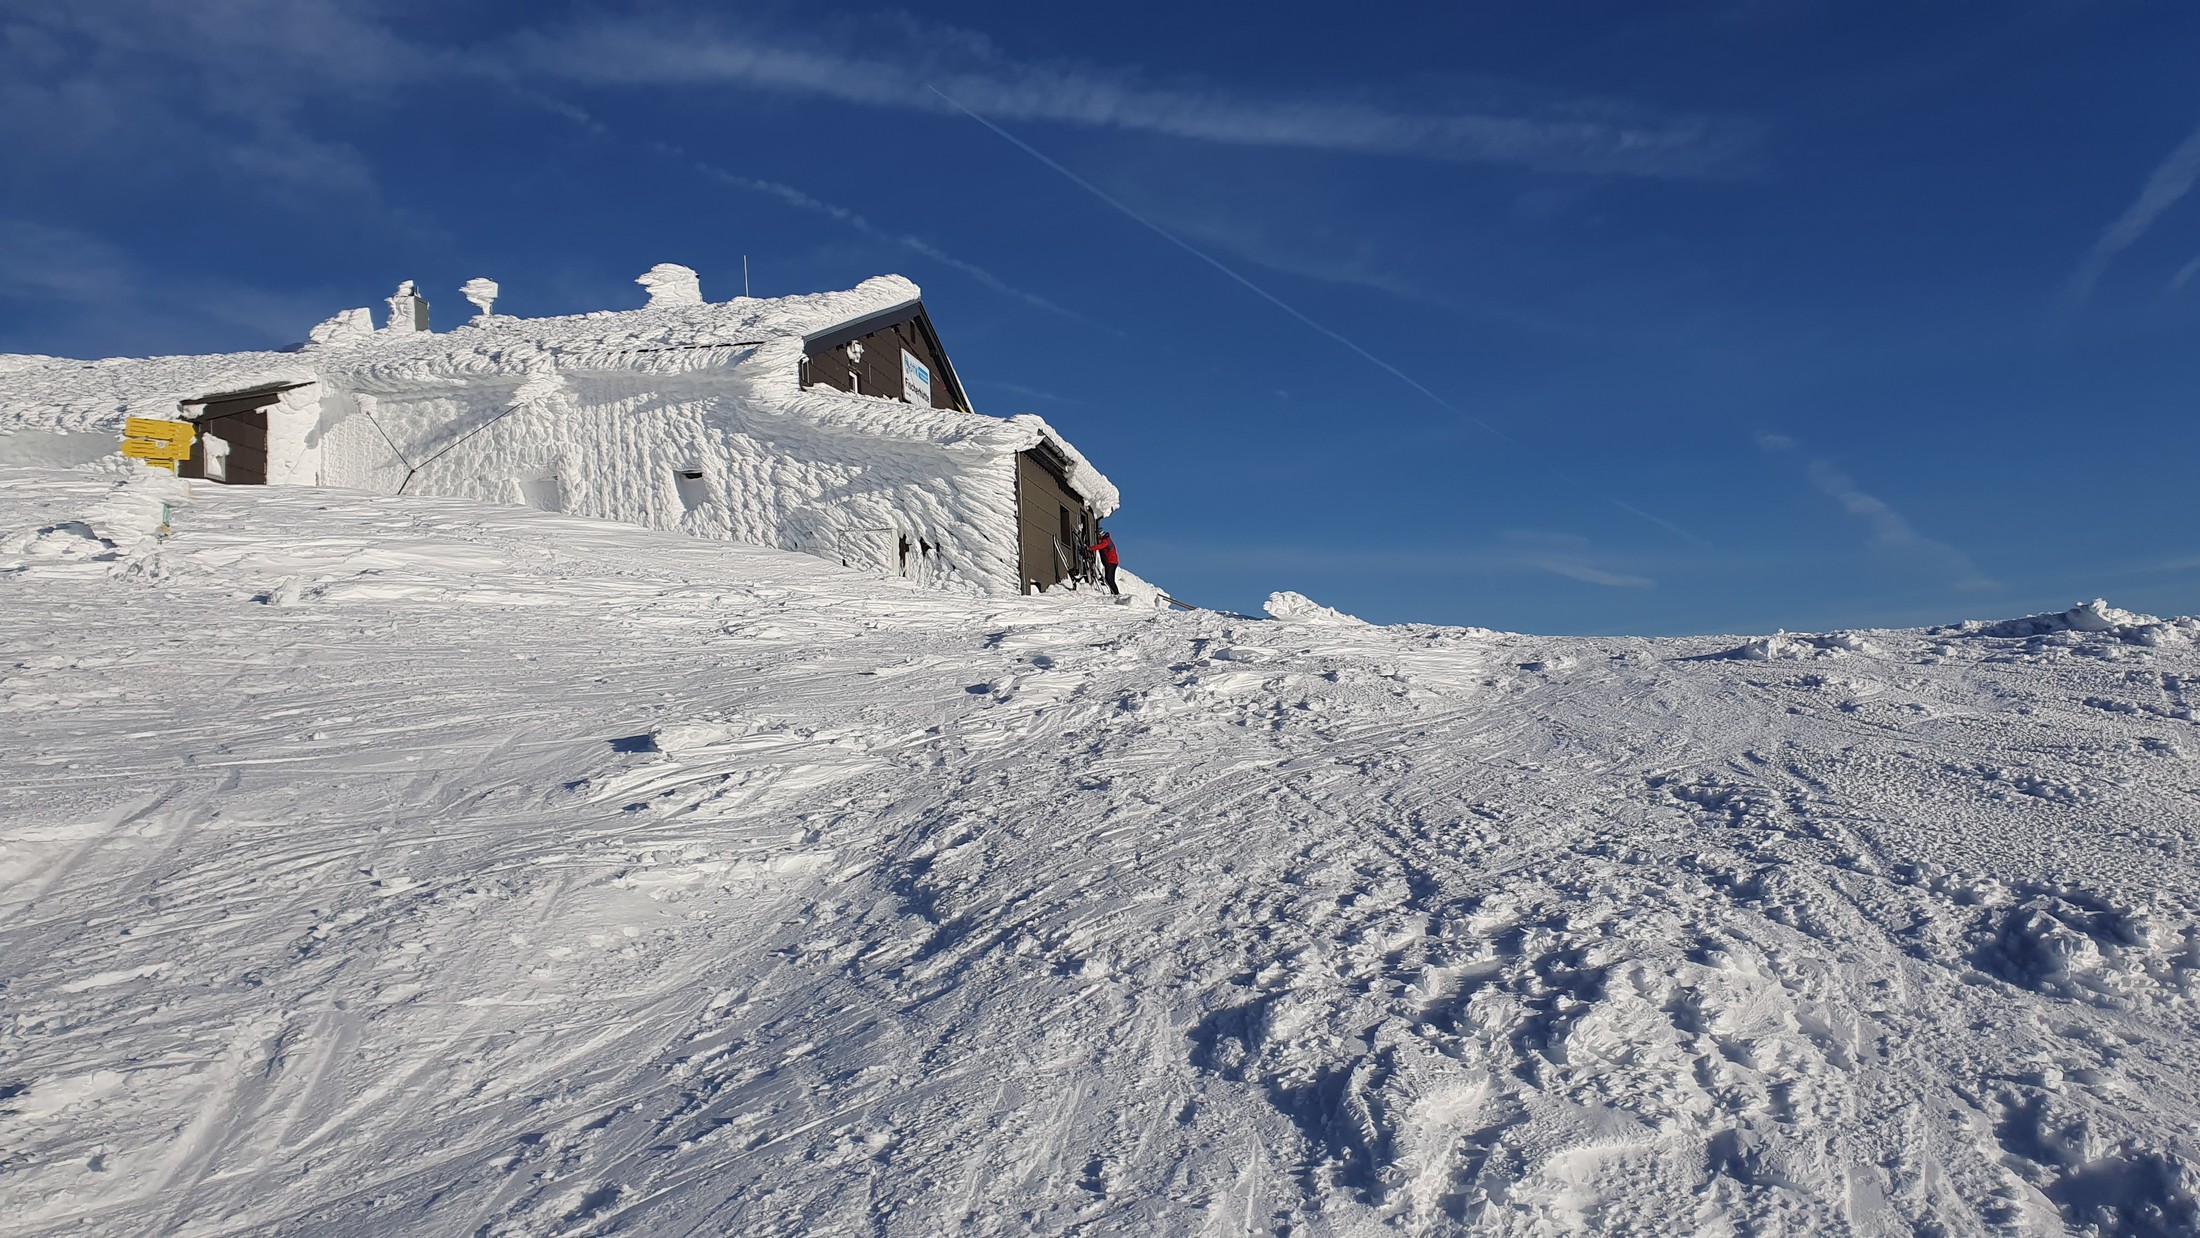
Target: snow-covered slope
379, 866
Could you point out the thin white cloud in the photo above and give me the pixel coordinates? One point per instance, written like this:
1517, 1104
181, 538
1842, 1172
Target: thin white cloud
1238, 277
1590, 575
1335, 257
803, 201
2170, 181
2184, 275
215, 96
87, 278
1567, 555
1579, 137
39, 262
1346, 261
1518, 551
1889, 530
1024, 392
220, 91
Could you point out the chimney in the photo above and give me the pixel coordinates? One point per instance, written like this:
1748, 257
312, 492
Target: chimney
408, 310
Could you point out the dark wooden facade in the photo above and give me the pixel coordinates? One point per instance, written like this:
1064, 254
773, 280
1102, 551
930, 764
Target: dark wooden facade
1052, 520
882, 338
241, 422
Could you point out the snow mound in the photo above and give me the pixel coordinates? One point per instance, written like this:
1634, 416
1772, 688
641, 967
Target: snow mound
123, 521
56, 448
65, 541
2075, 943
133, 510
2094, 617
677, 738
1781, 647
1299, 608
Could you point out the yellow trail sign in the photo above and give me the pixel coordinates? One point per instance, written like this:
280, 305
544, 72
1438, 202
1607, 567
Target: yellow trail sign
157, 442
156, 453
180, 432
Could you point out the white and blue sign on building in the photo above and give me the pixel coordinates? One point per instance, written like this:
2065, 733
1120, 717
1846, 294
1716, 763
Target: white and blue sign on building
916, 380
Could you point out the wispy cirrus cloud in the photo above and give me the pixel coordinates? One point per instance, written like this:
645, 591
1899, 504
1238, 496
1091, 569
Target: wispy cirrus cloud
802, 201
158, 89
42, 262
1889, 530
1567, 555
2184, 275
1516, 551
1577, 136
95, 290
2170, 181
86, 67
212, 89
1023, 392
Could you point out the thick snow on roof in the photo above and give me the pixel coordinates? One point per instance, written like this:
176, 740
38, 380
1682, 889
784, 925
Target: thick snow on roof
61, 394
388, 865
751, 345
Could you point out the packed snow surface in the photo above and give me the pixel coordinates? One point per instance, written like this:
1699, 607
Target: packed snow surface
377, 865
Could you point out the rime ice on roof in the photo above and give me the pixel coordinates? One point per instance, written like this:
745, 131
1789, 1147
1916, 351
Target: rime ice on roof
684, 414
352, 326
482, 293
669, 283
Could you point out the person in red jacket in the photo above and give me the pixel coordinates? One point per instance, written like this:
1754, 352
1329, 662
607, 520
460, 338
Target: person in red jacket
1104, 546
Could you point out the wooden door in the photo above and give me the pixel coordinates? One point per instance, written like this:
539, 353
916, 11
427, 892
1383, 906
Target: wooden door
231, 447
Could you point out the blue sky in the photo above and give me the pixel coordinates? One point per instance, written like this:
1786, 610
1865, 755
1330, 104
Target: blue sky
1565, 317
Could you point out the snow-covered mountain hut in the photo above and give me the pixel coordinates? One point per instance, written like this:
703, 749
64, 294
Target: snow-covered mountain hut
831, 423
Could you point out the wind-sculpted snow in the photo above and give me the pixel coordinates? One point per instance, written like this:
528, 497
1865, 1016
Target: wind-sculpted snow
378, 866
682, 415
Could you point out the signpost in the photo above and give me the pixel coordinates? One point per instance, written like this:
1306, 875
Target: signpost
161, 444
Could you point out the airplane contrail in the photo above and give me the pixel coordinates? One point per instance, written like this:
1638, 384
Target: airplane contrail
1297, 313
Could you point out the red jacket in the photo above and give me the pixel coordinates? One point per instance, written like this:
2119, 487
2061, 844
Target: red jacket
1105, 548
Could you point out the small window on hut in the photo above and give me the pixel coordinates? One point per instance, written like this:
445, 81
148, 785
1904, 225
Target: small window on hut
544, 493
689, 483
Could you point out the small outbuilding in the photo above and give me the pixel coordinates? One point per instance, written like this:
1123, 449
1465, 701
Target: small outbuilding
831, 423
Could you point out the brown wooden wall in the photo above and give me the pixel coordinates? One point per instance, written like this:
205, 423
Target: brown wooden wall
242, 423
1046, 510
880, 368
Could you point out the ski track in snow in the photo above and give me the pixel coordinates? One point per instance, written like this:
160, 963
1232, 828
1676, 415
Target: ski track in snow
376, 865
